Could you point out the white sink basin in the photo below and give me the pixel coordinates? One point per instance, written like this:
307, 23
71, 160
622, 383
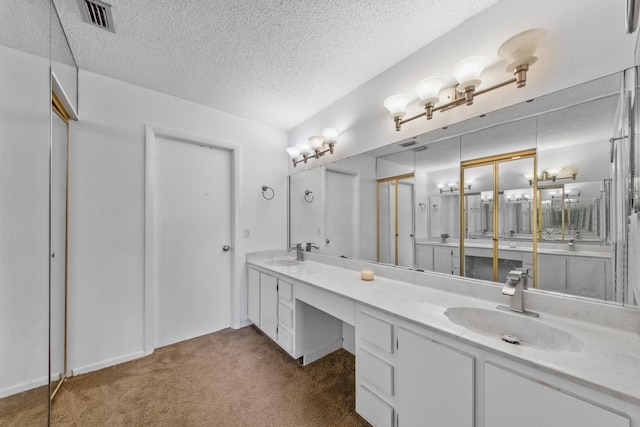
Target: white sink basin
510, 327
282, 262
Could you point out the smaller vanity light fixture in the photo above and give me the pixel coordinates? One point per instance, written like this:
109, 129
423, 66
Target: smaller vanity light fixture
486, 196
554, 174
452, 186
422, 206
316, 147
518, 51
516, 196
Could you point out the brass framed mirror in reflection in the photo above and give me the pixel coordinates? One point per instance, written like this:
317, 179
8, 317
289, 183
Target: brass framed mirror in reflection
572, 195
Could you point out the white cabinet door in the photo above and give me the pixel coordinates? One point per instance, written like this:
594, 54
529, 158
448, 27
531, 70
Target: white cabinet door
587, 277
552, 273
424, 257
442, 262
253, 296
269, 305
435, 383
514, 400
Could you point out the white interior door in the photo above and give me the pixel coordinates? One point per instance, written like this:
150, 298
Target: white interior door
192, 224
342, 208
405, 224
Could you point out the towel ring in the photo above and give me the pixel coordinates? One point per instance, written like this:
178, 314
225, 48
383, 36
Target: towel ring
265, 189
308, 193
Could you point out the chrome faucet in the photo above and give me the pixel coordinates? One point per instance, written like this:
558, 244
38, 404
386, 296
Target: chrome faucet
514, 287
299, 251
309, 246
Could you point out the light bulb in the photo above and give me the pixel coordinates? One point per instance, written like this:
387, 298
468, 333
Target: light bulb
397, 104
428, 90
467, 72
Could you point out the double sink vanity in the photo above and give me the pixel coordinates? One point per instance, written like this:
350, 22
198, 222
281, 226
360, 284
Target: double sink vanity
433, 349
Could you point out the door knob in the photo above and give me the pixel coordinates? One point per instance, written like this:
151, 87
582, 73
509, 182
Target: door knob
226, 248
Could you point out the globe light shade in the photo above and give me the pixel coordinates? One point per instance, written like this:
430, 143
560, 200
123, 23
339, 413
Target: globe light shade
467, 72
304, 147
294, 152
397, 104
428, 90
330, 135
316, 141
520, 49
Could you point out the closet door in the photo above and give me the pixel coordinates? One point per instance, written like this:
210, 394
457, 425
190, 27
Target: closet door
58, 247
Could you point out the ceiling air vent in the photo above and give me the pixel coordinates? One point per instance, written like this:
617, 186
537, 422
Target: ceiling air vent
97, 13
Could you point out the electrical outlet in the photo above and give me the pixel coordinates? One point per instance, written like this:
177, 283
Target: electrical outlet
318, 231
247, 232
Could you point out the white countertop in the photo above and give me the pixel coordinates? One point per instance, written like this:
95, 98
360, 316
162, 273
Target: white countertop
609, 361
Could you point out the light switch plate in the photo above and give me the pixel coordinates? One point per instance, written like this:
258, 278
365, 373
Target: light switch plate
247, 232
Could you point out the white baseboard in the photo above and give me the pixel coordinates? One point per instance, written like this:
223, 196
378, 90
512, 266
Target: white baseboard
27, 385
322, 351
244, 323
347, 346
106, 363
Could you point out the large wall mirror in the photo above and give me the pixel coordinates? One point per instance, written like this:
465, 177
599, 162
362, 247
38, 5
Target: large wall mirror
36, 64
542, 186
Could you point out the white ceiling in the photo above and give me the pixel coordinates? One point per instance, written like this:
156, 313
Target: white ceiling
278, 62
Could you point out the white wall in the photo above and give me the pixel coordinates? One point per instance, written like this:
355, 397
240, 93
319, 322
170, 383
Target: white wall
25, 114
572, 53
106, 213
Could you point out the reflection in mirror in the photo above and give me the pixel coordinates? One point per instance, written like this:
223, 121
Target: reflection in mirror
24, 179
501, 244
36, 59
437, 173
395, 213
396, 220
578, 215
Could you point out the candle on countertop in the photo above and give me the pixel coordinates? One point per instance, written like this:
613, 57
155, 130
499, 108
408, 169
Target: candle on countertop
366, 274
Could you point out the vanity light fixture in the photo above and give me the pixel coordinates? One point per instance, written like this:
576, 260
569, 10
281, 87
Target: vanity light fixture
519, 53
554, 174
452, 186
316, 147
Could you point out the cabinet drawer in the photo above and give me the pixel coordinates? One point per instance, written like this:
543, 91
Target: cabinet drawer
285, 315
375, 370
373, 409
285, 339
285, 290
376, 331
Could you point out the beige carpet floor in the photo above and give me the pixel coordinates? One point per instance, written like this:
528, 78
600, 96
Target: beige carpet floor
229, 378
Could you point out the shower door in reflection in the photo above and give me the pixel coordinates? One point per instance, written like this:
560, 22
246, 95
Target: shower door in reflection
502, 192
396, 223
58, 248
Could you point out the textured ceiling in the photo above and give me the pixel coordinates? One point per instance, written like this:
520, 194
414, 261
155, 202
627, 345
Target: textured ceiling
273, 61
